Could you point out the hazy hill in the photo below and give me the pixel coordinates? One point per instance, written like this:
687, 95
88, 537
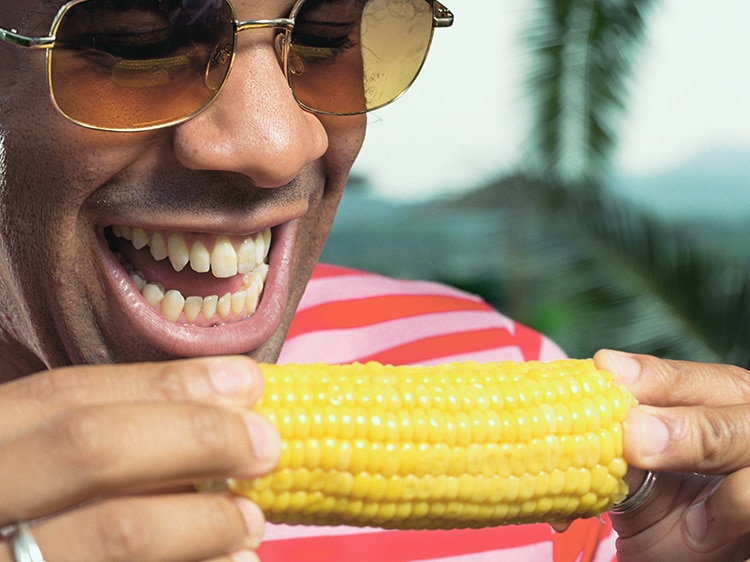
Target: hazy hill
708, 196
714, 184
570, 278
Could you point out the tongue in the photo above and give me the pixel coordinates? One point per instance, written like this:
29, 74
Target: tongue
188, 282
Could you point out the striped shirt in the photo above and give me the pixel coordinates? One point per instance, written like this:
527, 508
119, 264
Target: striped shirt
348, 315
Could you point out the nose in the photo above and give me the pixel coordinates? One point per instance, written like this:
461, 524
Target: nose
254, 126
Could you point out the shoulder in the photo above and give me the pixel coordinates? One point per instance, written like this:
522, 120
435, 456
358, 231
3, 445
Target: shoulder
351, 315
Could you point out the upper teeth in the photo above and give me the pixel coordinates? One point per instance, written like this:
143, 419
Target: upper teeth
225, 259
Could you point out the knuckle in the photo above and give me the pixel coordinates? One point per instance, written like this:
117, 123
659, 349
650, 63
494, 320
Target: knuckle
212, 431
178, 381
122, 533
60, 386
85, 437
220, 519
738, 386
673, 375
683, 381
715, 434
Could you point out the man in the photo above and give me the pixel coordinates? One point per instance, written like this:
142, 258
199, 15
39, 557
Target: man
156, 206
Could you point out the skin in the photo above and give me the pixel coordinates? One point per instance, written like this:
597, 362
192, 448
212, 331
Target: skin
251, 160
111, 452
692, 418
105, 456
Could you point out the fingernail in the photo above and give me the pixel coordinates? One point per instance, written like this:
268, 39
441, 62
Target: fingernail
623, 366
696, 522
230, 377
697, 519
254, 522
652, 431
265, 442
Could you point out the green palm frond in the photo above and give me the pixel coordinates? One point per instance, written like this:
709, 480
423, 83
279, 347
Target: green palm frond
707, 294
593, 271
582, 53
553, 247
621, 277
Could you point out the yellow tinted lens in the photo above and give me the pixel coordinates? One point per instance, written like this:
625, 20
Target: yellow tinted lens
137, 64
351, 56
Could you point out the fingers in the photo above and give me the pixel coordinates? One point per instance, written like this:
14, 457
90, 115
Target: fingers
721, 515
663, 382
700, 439
98, 452
653, 531
180, 527
113, 449
31, 400
697, 419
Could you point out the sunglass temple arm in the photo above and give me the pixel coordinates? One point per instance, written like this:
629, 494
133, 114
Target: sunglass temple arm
12, 36
443, 16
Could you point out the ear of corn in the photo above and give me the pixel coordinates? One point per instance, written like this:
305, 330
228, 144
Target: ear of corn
456, 445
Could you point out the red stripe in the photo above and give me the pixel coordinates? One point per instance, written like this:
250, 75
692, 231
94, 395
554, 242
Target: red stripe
443, 346
356, 313
529, 341
402, 546
323, 270
580, 541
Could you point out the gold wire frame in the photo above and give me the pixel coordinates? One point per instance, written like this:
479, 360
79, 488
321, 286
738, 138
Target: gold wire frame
441, 17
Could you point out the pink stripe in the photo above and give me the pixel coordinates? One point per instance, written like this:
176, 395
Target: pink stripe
344, 346
418, 351
550, 351
507, 353
275, 532
353, 287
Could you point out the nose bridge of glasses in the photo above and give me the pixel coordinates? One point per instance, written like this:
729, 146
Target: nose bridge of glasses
282, 24
285, 24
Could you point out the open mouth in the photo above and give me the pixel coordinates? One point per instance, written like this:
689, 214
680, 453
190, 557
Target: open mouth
194, 278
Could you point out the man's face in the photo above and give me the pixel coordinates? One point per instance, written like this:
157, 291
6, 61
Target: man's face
85, 214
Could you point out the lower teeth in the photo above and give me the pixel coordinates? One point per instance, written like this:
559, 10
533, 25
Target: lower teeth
230, 307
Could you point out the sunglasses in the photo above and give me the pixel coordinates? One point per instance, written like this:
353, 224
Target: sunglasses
134, 65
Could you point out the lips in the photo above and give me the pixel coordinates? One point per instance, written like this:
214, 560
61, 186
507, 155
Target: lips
199, 293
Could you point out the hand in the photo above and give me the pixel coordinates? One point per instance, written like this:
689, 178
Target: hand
693, 426
105, 458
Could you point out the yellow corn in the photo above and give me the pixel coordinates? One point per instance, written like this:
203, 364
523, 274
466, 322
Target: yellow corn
456, 445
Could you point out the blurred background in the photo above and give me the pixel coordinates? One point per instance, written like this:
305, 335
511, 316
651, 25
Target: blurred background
583, 165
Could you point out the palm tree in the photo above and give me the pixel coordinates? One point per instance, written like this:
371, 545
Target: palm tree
583, 51
620, 277
552, 246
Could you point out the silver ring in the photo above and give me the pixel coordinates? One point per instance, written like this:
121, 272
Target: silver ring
23, 544
639, 497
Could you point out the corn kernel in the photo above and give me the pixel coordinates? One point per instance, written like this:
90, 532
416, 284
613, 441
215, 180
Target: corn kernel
455, 445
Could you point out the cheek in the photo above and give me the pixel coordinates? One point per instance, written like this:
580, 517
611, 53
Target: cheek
345, 137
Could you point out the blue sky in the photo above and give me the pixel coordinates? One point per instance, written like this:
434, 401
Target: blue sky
466, 117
